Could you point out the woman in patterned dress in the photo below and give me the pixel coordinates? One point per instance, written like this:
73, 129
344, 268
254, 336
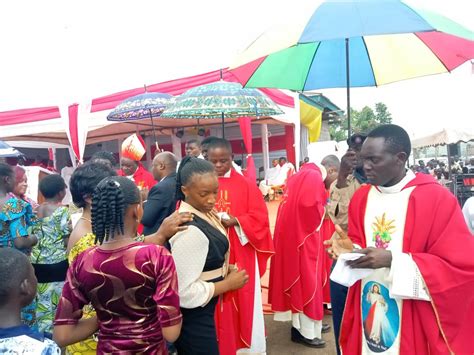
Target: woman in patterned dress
49, 255
16, 215
132, 285
83, 182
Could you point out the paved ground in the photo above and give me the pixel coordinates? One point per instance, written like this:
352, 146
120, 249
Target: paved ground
279, 340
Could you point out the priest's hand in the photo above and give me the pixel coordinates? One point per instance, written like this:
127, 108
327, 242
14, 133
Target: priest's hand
339, 243
375, 258
229, 222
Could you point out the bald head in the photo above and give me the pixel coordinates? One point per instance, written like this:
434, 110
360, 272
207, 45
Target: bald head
331, 163
164, 164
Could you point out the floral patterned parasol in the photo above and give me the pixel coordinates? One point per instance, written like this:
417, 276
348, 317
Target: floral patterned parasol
143, 106
221, 100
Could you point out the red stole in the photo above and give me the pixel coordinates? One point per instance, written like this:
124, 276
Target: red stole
437, 238
296, 271
242, 199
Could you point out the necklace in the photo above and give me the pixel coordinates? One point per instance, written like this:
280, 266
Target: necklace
118, 240
85, 219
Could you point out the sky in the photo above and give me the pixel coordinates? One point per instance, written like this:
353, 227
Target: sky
62, 51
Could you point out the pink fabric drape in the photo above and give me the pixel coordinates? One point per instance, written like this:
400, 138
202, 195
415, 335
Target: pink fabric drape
29, 115
178, 86
246, 130
74, 130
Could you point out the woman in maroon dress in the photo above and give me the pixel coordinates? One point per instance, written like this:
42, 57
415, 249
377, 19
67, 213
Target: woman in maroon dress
132, 285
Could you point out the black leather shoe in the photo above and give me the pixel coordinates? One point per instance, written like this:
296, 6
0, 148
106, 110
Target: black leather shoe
326, 328
296, 337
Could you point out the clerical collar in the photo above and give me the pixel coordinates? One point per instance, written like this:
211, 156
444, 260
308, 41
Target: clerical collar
227, 174
410, 175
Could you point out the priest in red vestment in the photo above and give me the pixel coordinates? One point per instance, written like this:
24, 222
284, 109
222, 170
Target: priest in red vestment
296, 273
240, 323
133, 150
412, 233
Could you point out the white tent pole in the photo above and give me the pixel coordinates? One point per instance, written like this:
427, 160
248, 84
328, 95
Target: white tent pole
265, 147
72, 156
55, 159
297, 130
176, 143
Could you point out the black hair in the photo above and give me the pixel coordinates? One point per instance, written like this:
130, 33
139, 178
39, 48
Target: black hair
6, 170
111, 199
85, 179
51, 185
282, 158
356, 139
219, 143
188, 167
104, 155
193, 141
208, 140
13, 270
396, 138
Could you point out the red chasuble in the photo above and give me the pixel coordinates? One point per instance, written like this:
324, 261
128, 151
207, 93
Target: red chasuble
142, 177
242, 199
439, 242
296, 271
327, 230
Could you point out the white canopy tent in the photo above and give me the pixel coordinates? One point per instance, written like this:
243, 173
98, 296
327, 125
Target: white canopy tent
446, 136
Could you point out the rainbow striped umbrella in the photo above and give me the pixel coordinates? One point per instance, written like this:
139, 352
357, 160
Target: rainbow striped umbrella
354, 44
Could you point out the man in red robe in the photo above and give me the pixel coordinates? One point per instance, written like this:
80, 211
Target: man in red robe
243, 211
297, 271
417, 239
133, 150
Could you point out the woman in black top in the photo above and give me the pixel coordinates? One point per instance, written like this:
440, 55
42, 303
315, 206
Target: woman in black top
200, 254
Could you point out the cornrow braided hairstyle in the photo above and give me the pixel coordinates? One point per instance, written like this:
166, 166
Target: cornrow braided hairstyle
111, 198
188, 167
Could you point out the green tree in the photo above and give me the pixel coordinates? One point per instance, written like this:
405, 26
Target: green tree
364, 121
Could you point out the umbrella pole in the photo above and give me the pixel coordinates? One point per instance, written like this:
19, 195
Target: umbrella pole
348, 90
154, 131
223, 134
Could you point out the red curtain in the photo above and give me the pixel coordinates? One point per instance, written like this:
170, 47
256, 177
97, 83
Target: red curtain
74, 130
246, 130
290, 144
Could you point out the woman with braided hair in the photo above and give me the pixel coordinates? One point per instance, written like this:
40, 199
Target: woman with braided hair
200, 254
132, 285
82, 184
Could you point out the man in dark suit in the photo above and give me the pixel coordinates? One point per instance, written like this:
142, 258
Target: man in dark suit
161, 200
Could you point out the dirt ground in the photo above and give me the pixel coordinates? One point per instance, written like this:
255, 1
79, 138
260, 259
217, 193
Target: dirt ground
278, 339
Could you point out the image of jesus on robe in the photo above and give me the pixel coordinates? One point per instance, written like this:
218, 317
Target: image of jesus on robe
377, 327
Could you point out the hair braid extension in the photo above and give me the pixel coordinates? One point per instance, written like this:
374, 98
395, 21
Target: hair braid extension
111, 198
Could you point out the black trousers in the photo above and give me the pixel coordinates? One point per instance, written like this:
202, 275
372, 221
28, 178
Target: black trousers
338, 301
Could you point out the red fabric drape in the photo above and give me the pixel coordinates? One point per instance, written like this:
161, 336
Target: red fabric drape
290, 144
74, 130
246, 130
178, 86
29, 115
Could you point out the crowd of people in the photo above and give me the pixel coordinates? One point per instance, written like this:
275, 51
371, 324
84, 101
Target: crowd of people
171, 260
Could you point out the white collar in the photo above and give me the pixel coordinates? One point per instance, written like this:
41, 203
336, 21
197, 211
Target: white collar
410, 175
227, 174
